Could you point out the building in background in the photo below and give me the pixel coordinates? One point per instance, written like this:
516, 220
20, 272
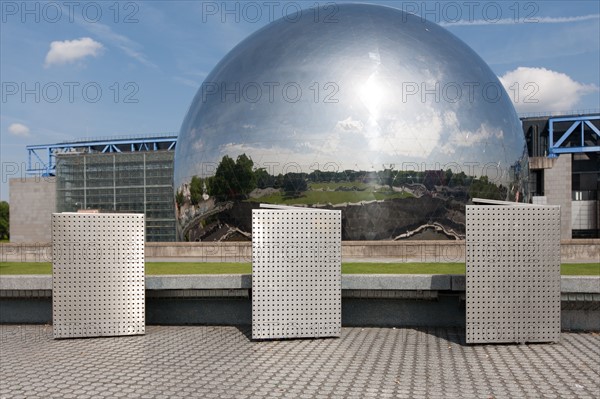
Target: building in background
135, 174
564, 168
119, 174
131, 182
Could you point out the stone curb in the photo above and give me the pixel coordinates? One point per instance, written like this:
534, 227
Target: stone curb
442, 282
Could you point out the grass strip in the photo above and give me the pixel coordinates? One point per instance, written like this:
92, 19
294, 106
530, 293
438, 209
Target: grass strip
162, 268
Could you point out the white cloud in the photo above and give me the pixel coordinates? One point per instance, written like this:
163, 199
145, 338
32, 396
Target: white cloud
19, 130
128, 46
514, 21
69, 51
543, 90
187, 82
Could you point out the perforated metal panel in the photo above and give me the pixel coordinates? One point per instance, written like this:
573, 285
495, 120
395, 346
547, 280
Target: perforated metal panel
98, 286
513, 274
296, 273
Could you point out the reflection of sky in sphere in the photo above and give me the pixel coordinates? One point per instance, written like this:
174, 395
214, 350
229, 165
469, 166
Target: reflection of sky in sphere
378, 87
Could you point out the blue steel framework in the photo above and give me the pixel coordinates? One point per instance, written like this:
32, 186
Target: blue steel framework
568, 137
41, 159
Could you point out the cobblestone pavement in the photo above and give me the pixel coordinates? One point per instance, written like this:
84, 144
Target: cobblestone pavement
222, 362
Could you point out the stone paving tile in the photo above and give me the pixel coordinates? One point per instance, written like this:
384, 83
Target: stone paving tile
222, 362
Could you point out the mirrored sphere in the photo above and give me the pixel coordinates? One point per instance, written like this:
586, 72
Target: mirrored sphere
363, 108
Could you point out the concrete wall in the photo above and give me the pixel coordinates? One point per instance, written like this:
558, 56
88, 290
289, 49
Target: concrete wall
557, 190
584, 215
580, 250
404, 251
32, 201
572, 251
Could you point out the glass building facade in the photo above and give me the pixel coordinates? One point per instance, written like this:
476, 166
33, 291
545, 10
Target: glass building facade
136, 182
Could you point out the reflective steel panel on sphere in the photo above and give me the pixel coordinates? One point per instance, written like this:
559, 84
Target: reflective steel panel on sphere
362, 108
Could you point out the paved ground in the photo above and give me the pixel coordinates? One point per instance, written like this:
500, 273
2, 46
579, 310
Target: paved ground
221, 362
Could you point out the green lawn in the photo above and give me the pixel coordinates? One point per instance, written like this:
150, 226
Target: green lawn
333, 197
580, 269
567, 269
403, 268
334, 185
25, 268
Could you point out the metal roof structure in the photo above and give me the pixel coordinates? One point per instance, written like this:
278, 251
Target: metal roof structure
41, 159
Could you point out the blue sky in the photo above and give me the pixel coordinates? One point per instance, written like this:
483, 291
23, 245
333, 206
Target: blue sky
148, 59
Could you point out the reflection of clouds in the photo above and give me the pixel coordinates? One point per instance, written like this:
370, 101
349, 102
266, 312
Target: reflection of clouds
429, 134
257, 153
482, 135
416, 136
353, 143
198, 145
278, 159
328, 146
375, 56
349, 125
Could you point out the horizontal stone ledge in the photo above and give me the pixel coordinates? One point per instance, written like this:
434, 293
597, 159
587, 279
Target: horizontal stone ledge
402, 282
244, 281
580, 284
436, 282
199, 281
26, 282
568, 284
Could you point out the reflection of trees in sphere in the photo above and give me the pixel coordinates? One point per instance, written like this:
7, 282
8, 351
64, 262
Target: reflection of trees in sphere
376, 112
